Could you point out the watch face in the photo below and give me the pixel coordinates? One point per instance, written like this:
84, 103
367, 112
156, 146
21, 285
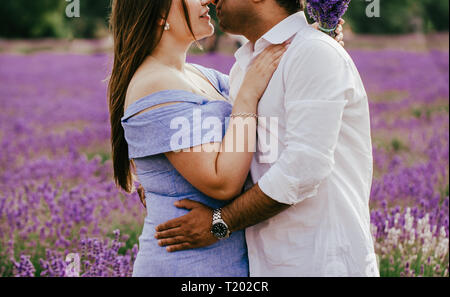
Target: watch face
220, 230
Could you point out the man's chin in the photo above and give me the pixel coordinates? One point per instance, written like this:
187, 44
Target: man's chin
224, 28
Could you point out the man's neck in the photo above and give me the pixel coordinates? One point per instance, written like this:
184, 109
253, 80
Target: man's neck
263, 25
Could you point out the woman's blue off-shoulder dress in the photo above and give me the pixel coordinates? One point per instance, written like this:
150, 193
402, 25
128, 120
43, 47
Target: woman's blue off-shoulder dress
170, 128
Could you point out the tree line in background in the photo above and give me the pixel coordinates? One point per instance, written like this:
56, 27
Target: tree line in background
47, 18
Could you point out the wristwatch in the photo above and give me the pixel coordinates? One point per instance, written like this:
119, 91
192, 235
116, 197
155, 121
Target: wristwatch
219, 227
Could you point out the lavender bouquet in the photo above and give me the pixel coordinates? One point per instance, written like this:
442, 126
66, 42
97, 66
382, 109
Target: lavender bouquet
327, 13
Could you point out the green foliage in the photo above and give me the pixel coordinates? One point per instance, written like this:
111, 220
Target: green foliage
399, 16
94, 18
213, 14
395, 17
435, 14
47, 18
397, 145
25, 18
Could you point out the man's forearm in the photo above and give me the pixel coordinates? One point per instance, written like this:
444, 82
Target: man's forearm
251, 208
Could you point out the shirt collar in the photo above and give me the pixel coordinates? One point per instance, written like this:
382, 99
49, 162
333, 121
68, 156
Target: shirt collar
280, 33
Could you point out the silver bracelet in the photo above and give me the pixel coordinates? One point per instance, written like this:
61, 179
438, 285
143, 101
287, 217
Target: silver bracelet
244, 115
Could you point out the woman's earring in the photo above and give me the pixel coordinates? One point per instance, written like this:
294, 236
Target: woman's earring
167, 27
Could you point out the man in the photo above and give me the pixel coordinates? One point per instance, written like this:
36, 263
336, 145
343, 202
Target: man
308, 213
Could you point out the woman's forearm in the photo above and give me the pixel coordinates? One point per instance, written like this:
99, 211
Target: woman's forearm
239, 143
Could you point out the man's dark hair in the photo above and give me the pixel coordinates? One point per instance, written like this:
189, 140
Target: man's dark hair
292, 6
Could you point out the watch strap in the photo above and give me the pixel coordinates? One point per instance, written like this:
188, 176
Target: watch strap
217, 215
217, 218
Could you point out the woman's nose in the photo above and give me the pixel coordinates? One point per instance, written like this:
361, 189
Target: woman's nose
207, 2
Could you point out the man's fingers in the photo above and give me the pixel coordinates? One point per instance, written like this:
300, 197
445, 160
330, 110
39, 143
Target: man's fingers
172, 241
169, 233
169, 224
179, 247
187, 204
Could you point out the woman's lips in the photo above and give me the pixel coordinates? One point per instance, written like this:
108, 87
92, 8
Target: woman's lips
206, 17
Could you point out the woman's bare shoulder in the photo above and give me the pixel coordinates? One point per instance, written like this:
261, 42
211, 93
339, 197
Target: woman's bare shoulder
152, 80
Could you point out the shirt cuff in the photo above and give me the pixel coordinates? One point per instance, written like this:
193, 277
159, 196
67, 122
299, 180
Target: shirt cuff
285, 189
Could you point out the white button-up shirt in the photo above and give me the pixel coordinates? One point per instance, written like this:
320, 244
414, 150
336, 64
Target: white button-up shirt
314, 153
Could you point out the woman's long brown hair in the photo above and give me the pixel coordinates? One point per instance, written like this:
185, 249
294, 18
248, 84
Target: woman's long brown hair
136, 32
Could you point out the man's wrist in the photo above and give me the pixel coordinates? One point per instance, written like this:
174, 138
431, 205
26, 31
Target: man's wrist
251, 208
227, 218
228, 214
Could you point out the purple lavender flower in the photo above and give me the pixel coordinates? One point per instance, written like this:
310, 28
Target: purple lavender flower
23, 268
327, 13
55, 195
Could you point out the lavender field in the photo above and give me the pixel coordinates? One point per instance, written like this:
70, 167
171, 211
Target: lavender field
57, 195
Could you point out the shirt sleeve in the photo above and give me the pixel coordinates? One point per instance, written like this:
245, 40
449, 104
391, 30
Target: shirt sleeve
319, 83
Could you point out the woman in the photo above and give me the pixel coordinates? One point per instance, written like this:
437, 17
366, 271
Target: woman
152, 92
